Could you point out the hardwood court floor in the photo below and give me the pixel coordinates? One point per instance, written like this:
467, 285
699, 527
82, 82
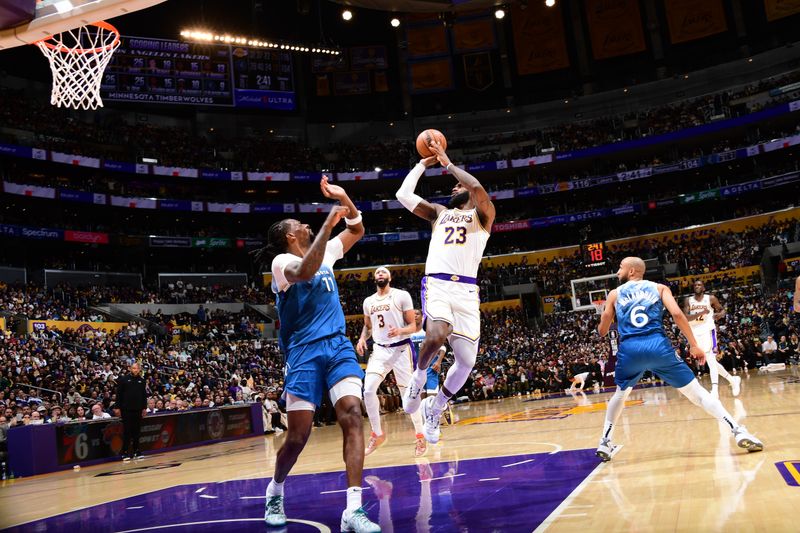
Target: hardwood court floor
679, 470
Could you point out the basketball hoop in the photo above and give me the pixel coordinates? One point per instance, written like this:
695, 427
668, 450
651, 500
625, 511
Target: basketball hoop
599, 306
77, 60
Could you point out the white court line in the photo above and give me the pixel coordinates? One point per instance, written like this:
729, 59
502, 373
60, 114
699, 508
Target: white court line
201, 489
135, 507
489, 479
208, 496
322, 528
342, 490
580, 507
443, 477
573, 515
574, 494
253, 497
518, 463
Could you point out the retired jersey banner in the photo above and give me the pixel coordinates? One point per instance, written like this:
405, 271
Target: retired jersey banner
615, 27
539, 40
478, 72
694, 19
427, 41
778, 9
473, 35
430, 76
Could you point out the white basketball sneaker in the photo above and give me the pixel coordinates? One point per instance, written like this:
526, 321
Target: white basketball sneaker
430, 417
606, 450
747, 441
736, 385
358, 521
273, 513
412, 398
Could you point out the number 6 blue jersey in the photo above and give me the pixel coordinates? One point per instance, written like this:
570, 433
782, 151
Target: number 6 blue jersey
639, 309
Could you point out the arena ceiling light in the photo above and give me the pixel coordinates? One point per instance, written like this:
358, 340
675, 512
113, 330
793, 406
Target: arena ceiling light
499, 14
347, 14
549, 3
205, 36
395, 22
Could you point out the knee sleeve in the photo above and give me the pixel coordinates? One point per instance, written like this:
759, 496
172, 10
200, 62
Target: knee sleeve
371, 384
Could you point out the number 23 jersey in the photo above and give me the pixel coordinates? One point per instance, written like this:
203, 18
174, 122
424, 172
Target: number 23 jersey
639, 309
457, 243
308, 310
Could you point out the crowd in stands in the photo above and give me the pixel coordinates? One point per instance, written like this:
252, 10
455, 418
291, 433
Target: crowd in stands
111, 138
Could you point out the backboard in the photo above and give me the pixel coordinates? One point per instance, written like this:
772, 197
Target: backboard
54, 16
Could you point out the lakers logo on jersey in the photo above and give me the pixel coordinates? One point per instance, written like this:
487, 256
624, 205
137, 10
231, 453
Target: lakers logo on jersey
457, 244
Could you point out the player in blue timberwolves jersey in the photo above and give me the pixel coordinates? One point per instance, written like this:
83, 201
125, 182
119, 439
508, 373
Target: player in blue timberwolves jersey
319, 357
638, 306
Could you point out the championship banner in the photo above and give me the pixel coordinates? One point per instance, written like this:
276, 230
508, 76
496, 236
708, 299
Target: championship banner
80, 442
778, 9
427, 41
615, 27
478, 72
694, 19
473, 35
430, 76
351, 83
87, 329
539, 38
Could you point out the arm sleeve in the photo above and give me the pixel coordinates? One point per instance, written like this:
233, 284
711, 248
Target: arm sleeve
405, 194
334, 251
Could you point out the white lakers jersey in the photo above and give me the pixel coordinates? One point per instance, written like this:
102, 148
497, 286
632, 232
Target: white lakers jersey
457, 243
705, 322
385, 311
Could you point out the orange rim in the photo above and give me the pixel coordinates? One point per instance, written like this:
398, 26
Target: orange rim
61, 48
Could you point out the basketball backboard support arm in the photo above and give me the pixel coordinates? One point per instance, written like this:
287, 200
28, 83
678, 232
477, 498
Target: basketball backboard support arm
54, 16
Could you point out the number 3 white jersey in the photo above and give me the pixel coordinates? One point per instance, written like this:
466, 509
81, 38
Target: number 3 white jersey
385, 311
704, 323
457, 243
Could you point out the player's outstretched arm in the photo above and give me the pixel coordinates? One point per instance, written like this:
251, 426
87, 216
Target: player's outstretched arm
481, 199
608, 314
355, 227
681, 321
366, 333
412, 201
305, 269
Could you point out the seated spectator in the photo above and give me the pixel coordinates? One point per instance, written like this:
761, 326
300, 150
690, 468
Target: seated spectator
98, 413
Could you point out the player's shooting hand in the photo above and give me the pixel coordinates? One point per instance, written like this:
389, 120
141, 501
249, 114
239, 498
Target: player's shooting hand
428, 161
438, 151
697, 353
338, 212
361, 347
393, 332
330, 190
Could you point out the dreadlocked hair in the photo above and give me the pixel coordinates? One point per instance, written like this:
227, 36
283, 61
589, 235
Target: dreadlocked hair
276, 244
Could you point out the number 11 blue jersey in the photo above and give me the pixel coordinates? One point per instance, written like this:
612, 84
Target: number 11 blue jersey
639, 309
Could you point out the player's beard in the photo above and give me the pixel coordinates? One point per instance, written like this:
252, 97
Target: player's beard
382, 282
458, 200
623, 279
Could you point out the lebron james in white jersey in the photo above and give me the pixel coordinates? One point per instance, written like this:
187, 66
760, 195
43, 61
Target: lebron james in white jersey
389, 320
703, 310
450, 299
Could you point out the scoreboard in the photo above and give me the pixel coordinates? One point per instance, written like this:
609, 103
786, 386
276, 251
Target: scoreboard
175, 72
593, 254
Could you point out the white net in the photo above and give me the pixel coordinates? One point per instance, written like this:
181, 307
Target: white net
77, 60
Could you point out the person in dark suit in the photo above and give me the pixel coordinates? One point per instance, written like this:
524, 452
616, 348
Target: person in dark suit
132, 401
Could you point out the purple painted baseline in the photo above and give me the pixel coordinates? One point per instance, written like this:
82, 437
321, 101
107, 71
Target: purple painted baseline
464, 498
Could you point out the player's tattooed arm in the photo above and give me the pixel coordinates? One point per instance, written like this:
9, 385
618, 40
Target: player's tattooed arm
481, 199
607, 317
366, 333
353, 233
305, 269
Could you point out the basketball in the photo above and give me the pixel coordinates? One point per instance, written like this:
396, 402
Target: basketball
427, 137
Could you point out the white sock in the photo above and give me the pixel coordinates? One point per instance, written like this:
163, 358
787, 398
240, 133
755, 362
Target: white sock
615, 406
371, 384
274, 489
713, 371
353, 498
419, 377
702, 398
724, 373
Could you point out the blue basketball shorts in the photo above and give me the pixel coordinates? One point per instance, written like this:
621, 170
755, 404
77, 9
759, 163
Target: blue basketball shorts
313, 369
655, 353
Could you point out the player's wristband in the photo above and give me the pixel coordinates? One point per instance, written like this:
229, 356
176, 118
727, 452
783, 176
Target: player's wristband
353, 221
447, 168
